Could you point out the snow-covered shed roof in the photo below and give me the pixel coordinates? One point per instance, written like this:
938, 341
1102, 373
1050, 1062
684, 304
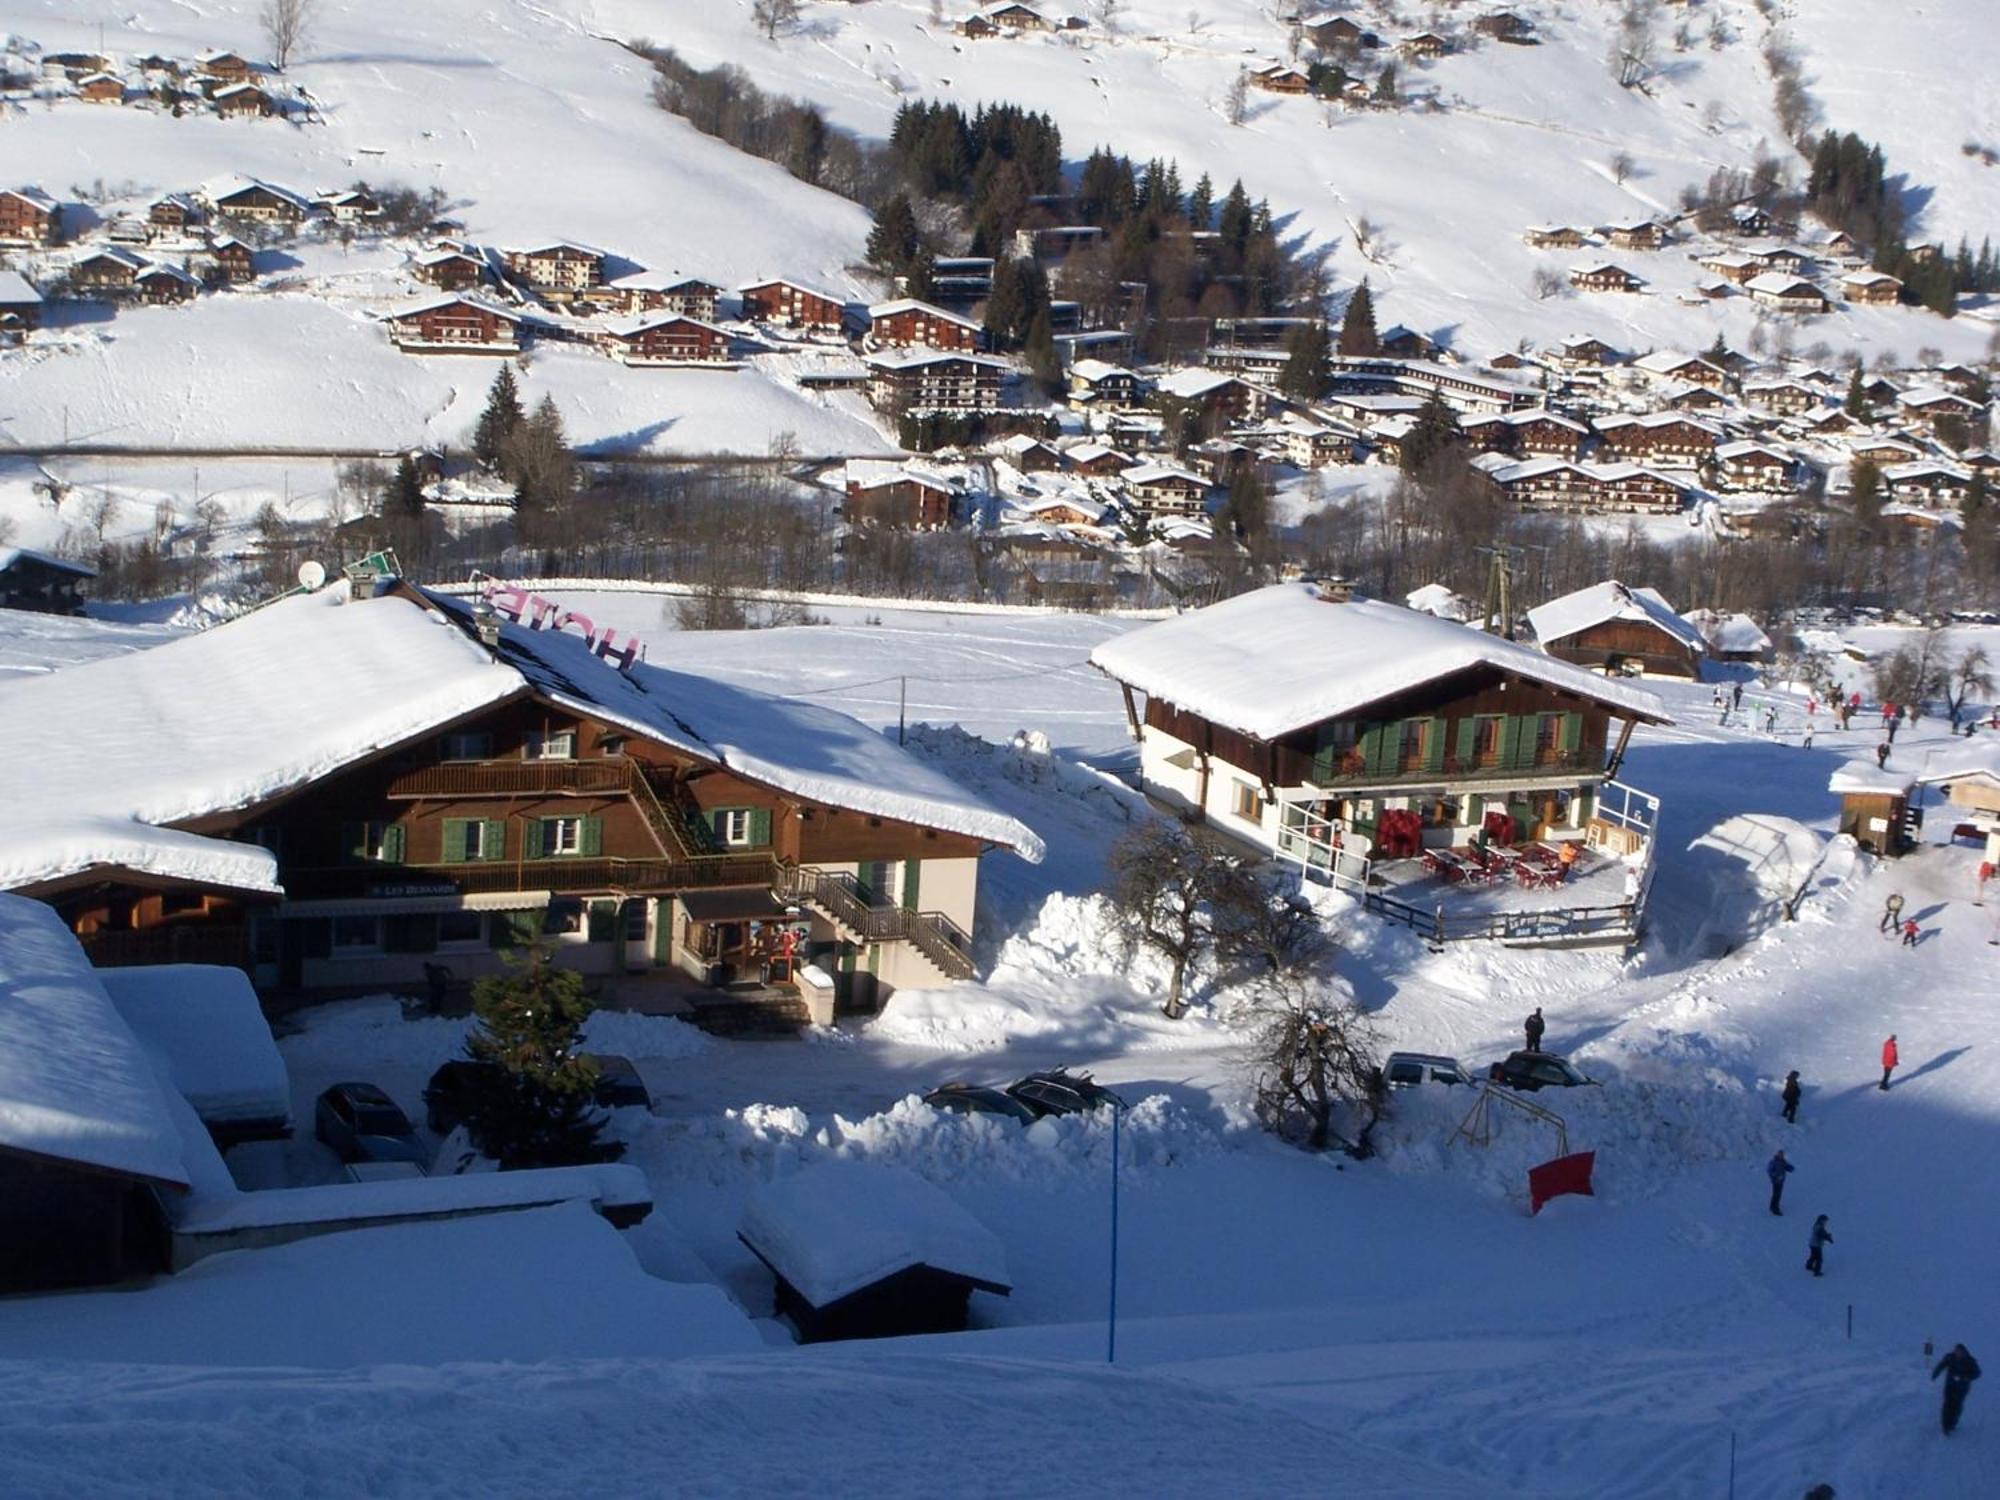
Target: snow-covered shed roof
1865, 778
297, 690
1280, 658
75, 1084
837, 1227
205, 1024
1611, 600
1436, 599
1736, 634
11, 555
1970, 758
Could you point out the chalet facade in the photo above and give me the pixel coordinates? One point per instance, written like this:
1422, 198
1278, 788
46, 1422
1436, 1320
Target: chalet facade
102, 88
892, 495
106, 271
1871, 288
233, 260
645, 292
909, 324
1635, 234
173, 216
455, 325
1934, 486
1755, 466
1786, 293
1690, 369
244, 101
530, 790
1558, 484
790, 305
669, 339
1554, 237
20, 305
29, 216
560, 269
261, 203
1336, 731
229, 67
1165, 490
1660, 437
1603, 276
901, 380
449, 270
1099, 383
1619, 631
1277, 78
164, 286
41, 582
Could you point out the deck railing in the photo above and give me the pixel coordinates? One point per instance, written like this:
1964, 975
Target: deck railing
1352, 768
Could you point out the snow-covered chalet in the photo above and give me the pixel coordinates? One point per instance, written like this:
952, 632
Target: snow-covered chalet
1337, 731
344, 786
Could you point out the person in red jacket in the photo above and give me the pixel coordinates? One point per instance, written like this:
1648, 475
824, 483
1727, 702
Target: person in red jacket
1890, 1057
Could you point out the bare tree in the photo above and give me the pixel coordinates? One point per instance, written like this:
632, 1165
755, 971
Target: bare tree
1236, 98
1550, 283
1621, 166
1633, 46
287, 25
774, 16
1313, 1055
1165, 886
1969, 674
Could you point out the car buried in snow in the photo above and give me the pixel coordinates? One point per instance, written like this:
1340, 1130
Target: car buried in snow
1059, 1092
359, 1122
979, 1099
1402, 1070
1529, 1071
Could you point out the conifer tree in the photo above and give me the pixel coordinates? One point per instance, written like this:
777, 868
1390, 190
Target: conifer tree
1358, 338
1307, 371
539, 1109
1436, 433
499, 421
893, 240
1856, 404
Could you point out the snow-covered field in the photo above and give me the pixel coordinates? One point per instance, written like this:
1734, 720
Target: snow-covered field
1397, 1327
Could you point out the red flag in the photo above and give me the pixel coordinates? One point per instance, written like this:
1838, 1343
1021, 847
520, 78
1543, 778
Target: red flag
1565, 1174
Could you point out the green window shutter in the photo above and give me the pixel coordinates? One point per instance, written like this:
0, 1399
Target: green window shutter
912, 879
1370, 745
1510, 740
760, 827
395, 840
603, 921
531, 839
717, 818
493, 841
1572, 733
593, 836
1468, 741
454, 840
1434, 745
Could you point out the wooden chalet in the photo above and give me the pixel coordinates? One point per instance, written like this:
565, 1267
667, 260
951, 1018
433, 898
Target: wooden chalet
907, 323
669, 339
1733, 266
1694, 397
791, 305
42, 582
1619, 631
101, 88
1277, 78
449, 270
1335, 731
901, 380
1755, 466
1096, 461
560, 269
453, 785
349, 205
1424, 44
1657, 437
233, 260
231, 67
1506, 26
1603, 276
455, 325
1559, 484
260, 202
652, 292
1219, 397
1336, 33
1098, 383
897, 497
1787, 398
1582, 352
1554, 237
1691, 369
1166, 490
29, 216
1785, 292
20, 305
1926, 408
164, 286
245, 101
1013, 16
74, 65
173, 215
1925, 483
106, 271
1635, 234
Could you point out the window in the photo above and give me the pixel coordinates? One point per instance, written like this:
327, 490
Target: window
560, 838
1548, 739
468, 745
741, 827
562, 835
377, 841
1486, 740
356, 936
461, 929
474, 839
1247, 804
552, 744
611, 744
1412, 744
564, 915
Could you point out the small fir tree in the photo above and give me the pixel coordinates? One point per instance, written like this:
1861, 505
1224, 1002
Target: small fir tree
1358, 338
893, 240
502, 417
1307, 371
539, 1108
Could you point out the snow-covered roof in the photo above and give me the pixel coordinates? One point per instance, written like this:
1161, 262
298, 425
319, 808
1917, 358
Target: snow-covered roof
454, 299
225, 189
1969, 758
645, 321
871, 473
1869, 278
839, 1226
1611, 600
1141, 474
912, 304
1094, 370
75, 1084
1747, 448
1436, 599
1195, 381
31, 195
1866, 778
206, 1025
1926, 469
1280, 658
1735, 633
296, 690
10, 555
1783, 284
910, 359
1666, 361
660, 281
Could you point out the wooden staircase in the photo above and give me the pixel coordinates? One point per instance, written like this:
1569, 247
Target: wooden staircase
760, 1014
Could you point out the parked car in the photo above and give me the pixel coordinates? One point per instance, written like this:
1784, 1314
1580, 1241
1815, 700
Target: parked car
980, 1099
361, 1123
1537, 1070
1059, 1092
619, 1085
1401, 1070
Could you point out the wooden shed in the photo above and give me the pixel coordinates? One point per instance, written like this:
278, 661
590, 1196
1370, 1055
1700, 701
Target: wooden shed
1874, 806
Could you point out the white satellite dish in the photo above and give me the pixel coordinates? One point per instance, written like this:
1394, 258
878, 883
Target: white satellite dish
312, 575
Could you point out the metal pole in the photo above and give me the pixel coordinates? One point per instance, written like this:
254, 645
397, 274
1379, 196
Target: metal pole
1850, 1322
1111, 1319
1732, 1463
902, 705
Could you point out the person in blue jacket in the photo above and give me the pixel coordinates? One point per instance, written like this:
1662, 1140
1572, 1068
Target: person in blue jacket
1776, 1170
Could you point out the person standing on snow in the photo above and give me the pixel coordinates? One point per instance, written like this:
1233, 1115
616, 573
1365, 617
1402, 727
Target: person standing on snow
1910, 933
1882, 756
1790, 1094
1736, 696
1890, 1057
1776, 1170
1807, 744
1959, 1369
1821, 1238
1532, 1029
1892, 913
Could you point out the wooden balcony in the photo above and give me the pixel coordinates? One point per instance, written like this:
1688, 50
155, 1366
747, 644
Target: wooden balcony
560, 873
1351, 770
612, 776
170, 943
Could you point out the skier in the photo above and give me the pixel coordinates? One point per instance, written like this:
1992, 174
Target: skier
1892, 913
1891, 726
1959, 1369
1533, 1028
1882, 756
1771, 719
1806, 744
1776, 1170
1890, 1057
1736, 696
1790, 1094
1821, 1237
1910, 933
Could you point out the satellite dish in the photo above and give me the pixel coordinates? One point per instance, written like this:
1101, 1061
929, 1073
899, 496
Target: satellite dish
312, 575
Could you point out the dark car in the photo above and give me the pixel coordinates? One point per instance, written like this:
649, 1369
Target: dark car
361, 1123
1537, 1070
980, 1099
449, 1095
619, 1085
1063, 1093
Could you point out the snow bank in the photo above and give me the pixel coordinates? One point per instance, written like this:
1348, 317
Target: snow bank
359, 1035
205, 1021
839, 1226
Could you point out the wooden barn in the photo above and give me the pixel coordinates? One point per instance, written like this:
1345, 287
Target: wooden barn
1874, 806
865, 1251
1619, 631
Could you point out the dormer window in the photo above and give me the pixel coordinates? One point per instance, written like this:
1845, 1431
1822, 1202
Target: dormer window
551, 744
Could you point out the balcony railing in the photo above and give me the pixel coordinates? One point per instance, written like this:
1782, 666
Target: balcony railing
515, 778
1352, 769
556, 873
